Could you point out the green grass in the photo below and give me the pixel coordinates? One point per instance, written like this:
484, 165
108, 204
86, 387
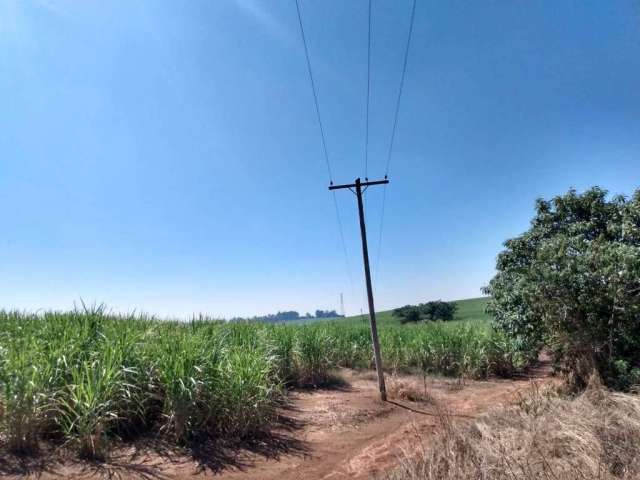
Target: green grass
472, 309
85, 378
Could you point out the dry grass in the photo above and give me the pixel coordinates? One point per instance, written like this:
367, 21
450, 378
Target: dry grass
595, 435
403, 388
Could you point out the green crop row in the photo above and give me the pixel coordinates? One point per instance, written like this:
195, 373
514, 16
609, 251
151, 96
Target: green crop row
85, 377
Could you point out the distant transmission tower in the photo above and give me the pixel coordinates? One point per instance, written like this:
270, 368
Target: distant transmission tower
342, 312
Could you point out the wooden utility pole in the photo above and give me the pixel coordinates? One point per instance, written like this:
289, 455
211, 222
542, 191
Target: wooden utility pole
367, 273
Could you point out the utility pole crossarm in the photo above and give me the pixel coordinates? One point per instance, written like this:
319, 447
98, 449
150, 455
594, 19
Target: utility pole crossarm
362, 184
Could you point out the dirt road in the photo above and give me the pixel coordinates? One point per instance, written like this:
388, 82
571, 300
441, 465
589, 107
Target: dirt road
351, 434
340, 433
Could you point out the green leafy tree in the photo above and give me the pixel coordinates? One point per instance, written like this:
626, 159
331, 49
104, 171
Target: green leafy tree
408, 314
572, 282
437, 310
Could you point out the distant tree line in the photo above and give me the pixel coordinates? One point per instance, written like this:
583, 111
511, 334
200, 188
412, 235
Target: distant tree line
289, 315
435, 310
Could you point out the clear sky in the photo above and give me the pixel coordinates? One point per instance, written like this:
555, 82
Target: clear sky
164, 156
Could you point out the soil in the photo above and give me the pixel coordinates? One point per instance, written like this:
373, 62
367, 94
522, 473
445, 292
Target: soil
336, 433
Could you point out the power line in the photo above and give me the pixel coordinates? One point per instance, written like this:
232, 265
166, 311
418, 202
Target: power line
404, 71
315, 95
379, 252
366, 142
344, 244
393, 132
324, 147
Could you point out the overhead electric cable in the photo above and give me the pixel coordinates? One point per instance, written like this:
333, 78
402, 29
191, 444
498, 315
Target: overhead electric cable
393, 131
366, 142
344, 244
315, 95
324, 147
378, 253
404, 71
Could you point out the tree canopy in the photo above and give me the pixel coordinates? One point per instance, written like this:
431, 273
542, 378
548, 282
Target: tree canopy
434, 310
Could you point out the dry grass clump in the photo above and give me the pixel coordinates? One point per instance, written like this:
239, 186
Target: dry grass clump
399, 388
595, 435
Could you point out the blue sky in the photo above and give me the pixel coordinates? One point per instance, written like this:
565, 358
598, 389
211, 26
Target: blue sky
164, 156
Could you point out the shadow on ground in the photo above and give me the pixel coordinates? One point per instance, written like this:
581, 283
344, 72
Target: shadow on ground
333, 381
29, 464
151, 459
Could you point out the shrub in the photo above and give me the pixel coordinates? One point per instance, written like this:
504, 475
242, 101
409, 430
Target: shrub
572, 282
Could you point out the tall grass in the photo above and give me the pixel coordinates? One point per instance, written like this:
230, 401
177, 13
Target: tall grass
87, 377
